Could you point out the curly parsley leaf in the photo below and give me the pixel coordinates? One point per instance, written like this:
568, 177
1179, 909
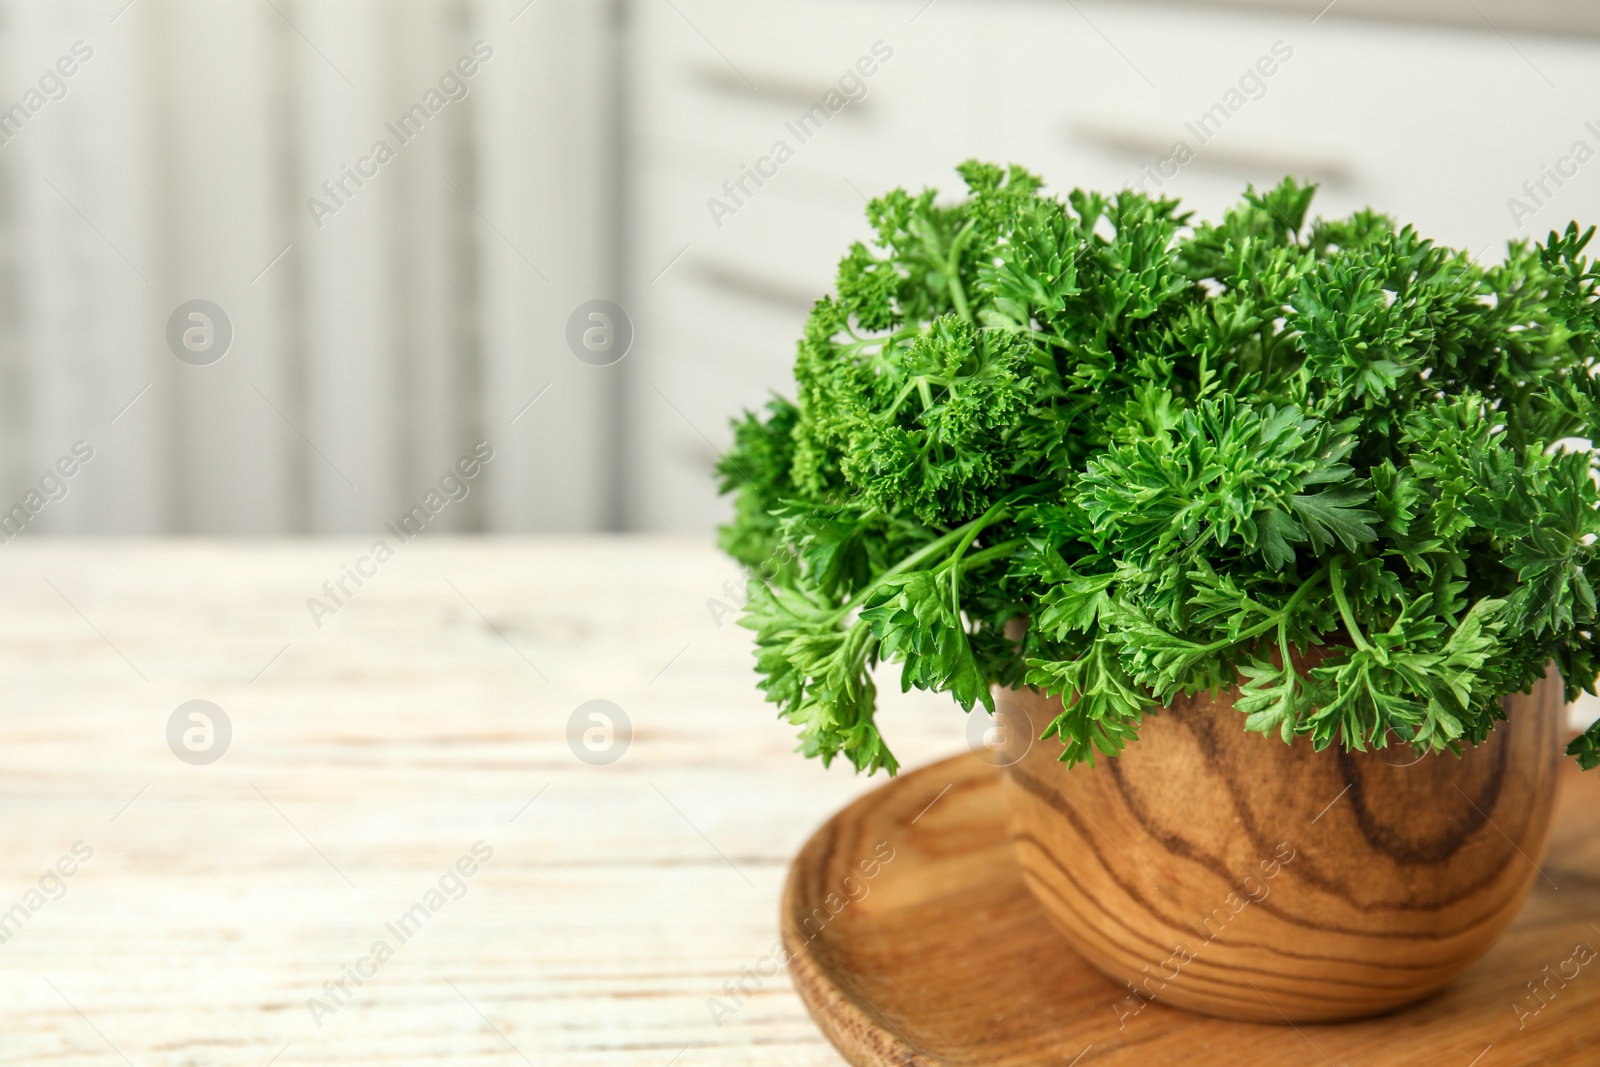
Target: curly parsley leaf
1077, 443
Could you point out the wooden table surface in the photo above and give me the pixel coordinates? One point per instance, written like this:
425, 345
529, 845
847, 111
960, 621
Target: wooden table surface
426, 715
368, 757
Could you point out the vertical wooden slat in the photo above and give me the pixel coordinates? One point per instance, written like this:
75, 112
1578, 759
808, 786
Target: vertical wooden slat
285, 283
543, 223
84, 177
230, 445
343, 74
16, 411
434, 266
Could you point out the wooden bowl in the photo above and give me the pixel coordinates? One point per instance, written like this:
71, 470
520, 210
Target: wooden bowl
943, 958
1368, 880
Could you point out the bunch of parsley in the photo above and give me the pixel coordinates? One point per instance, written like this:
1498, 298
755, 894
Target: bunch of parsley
1088, 446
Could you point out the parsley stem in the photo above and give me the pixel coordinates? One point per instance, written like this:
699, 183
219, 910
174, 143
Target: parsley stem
1293, 602
900, 398
1279, 618
1350, 625
951, 270
957, 296
993, 552
931, 548
967, 531
977, 526
1051, 336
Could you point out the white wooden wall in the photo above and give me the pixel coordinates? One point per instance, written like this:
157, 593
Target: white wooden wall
421, 317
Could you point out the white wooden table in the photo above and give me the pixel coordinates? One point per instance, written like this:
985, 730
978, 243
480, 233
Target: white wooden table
367, 758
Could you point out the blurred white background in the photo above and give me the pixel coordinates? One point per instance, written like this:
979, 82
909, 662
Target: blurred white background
373, 344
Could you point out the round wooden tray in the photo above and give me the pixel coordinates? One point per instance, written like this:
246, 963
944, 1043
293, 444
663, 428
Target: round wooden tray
913, 941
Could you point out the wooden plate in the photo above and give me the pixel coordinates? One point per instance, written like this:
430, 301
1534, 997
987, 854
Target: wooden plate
913, 941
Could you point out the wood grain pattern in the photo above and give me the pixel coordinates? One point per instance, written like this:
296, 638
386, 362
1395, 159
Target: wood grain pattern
1371, 878
422, 717
948, 959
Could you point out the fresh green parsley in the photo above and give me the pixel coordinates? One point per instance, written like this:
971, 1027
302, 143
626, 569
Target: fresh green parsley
1087, 445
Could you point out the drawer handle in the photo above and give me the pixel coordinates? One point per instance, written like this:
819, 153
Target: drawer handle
1149, 148
771, 89
747, 285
